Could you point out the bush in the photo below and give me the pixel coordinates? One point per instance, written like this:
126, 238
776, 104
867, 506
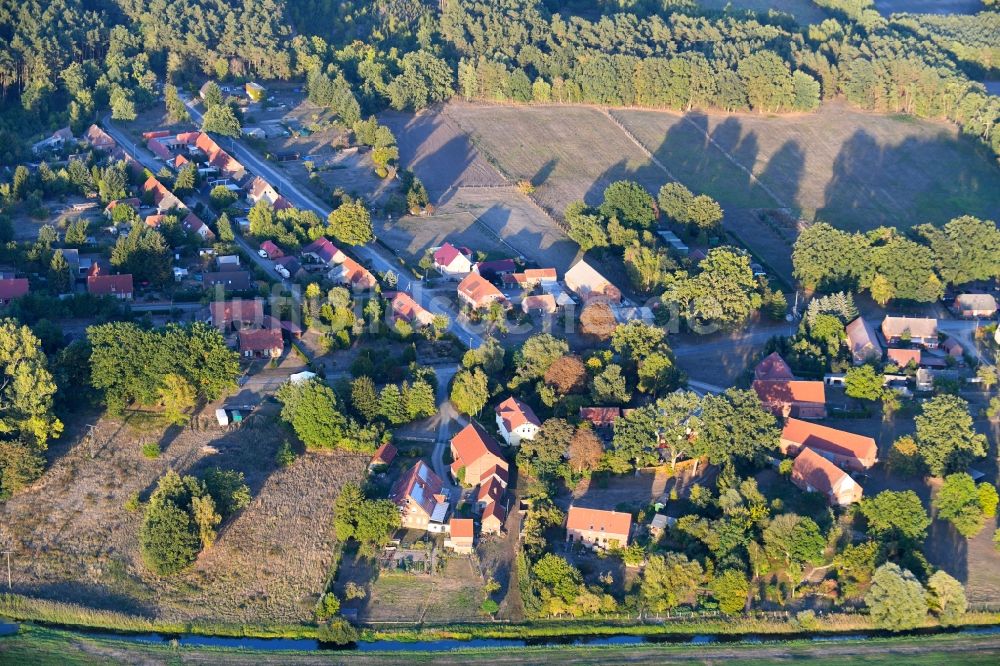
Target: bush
337, 632
354, 591
285, 455
132, 504
328, 606
151, 450
489, 606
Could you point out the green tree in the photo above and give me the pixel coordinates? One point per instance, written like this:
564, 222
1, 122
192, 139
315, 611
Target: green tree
610, 387
946, 598
559, 576
59, 273
768, 81
168, 538
364, 398
535, 356
730, 588
187, 179
675, 202
391, 405
630, 203
221, 119
586, 228
957, 501
177, 396
544, 455
420, 403
176, 111
225, 229
313, 411
896, 600
369, 522
470, 391
221, 197
705, 212
122, 104
864, 383
211, 94
945, 436
351, 223
735, 423
892, 514
793, 539
669, 580
206, 518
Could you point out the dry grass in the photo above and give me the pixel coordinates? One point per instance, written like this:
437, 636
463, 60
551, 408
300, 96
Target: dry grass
75, 542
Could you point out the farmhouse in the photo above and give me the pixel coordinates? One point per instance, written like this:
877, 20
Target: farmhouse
589, 285
461, 536
132, 203
383, 457
917, 330
953, 348
600, 417
493, 518
476, 292
542, 305
163, 199
421, 503
54, 141
475, 454
597, 527
193, 224
238, 314
862, 341
453, 262
975, 305
772, 368
842, 448
783, 395
119, 286
516, 421
814, 473
532, 277
261, 343
259, 189
11, 288
404, 307
98, 139
291, 265
322, 251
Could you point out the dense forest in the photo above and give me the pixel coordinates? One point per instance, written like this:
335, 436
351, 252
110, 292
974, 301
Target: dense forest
62, 60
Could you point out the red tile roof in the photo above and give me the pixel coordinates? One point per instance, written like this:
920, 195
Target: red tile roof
819, 473
515, 413
462, 528
490, 492
824, 438
447, 253
773, 367
613, 523
788, 392
226, 312
110, 285
357, 275
385, 455
478, 290
419, 485
13, 288
404, 306
471, 444
273, 251
263, 339
903, 357
600, 416
544, 302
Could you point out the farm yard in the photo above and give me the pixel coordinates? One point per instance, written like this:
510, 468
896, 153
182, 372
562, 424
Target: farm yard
270, 560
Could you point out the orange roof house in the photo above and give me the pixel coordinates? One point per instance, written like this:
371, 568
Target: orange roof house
262, 342
783, 395
11, 288
846, 449
453, 261
238, 313
421, 503
600, 417
773, 367
516, 421
119, 286
475, 453
477, 292
903, 357
493, 518
814, 473
543, 304
597, 527
461, 535
352, 274
404, 307
383, 457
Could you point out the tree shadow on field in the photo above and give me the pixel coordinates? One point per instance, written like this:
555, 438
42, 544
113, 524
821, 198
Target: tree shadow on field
920, 179
95, 596
544, 172
534, 246
784, 171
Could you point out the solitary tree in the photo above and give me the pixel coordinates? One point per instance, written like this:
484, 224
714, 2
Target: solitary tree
896, 600
351, 223
957, 501
946, 598
945, 436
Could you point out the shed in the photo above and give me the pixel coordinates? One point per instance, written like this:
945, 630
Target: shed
222, 417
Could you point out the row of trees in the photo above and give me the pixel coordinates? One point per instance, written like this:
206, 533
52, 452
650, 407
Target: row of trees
892, 265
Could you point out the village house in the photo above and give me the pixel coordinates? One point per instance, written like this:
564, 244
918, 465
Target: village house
98, 139
539, 305
844, 449
475, 454
193, 224
597, 527
261, 343
54, 141
238, 314
131, 202
119, 286
476, 292
418, 494
974, 306
402, 306
493, 519
813, 473
461, 536
163, 199
154, 221
953, 348
915, 330
516, 421
227, 262
12, 288
178, 162
863, 342
495, 270
533, 277
271, 251
590, 285
322, 251
383, 457
453, 262
228, 281
783, 395
352, 274
600, 417
259, 189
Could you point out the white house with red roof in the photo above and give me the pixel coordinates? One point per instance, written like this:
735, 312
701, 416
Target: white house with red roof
322, 251
453, 262
194, 224
516, 421
598, 528
402, 306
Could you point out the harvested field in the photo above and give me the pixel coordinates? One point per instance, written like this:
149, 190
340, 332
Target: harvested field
568, 153
439, 152
499, 221
853, 169
268, 565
